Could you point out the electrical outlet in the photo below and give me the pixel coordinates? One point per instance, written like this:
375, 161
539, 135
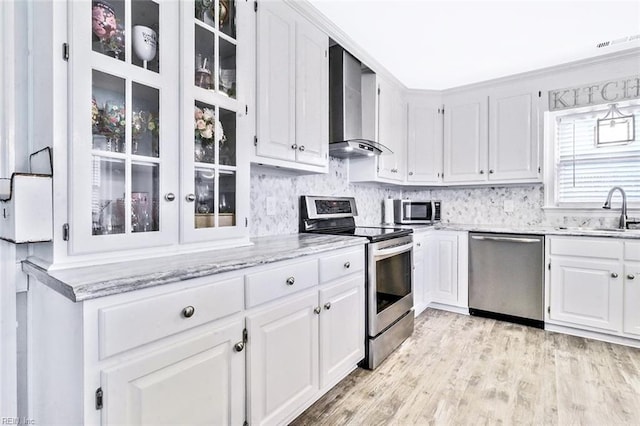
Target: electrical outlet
271, 206
508, 206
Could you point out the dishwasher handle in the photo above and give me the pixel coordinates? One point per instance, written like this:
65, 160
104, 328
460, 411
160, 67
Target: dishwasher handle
507, 239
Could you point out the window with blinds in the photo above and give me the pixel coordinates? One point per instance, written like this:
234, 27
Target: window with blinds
585, 172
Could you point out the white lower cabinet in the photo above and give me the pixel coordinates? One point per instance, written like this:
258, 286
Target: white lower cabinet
263, 342
448, 275
592, 286
421, 297
302, 345
586, 292
196, 381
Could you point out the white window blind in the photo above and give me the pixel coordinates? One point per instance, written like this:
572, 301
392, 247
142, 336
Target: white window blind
584, 172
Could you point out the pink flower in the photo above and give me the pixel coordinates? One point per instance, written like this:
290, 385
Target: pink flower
198, 113
201, 125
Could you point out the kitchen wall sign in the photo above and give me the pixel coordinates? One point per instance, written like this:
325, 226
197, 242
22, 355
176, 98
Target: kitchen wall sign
595, 93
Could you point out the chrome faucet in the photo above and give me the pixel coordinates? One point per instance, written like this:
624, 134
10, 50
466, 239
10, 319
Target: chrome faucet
623, 215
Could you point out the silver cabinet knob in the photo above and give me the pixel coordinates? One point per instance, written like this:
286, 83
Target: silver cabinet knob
481, 172
301, 148
614, 275
630, 276
419, 244
327, 306
490, 171
291, 280
317, 310
438, 174
410, 173
190, 198
170, 196
294, 146
238, 347
188, 311
347, 265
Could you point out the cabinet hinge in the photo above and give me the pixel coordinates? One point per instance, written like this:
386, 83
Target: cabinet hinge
378, 90
549, 266
255, 141
539, 93
65, 51
325, 53
255, 6
245, 336
246, 109
99, 396
548, 309
246, 222
65, 232
539, 169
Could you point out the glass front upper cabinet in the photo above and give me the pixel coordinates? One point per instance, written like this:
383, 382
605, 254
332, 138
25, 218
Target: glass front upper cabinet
213, 171
126, 98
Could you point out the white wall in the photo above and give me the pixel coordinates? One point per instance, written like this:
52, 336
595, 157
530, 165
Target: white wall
8, 375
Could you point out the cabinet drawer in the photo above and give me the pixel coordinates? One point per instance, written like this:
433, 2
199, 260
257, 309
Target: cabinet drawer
602, 248
278, 282
340, 265
632, 250
129, 325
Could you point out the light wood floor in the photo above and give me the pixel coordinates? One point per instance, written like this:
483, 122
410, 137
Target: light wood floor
462, 370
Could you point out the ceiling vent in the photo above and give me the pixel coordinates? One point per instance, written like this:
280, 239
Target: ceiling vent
617, 41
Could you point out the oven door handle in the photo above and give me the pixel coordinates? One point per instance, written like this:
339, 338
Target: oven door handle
384, 253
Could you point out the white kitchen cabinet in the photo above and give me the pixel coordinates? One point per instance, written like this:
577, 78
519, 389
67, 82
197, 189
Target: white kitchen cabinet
341, 329
303, 344
392, 122
293, 90
283, 358
631, 316
592, 287
127, 181
424, 142
513, 136
586, 292
492, 136
465, 138
160, 355
448, 275
421, 268
196, 381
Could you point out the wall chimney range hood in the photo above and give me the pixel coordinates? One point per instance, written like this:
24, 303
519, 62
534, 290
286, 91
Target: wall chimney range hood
345, 108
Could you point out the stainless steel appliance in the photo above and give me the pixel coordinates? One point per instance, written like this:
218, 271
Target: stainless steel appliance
345, 108
389, 276
411, 211
506, 277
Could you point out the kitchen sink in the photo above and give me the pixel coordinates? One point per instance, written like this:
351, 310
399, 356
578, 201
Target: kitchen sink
596, 229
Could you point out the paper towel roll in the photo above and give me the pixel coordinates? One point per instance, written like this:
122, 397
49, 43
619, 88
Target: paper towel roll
388, 211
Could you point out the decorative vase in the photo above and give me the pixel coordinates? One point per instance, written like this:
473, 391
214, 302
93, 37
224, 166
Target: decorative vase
145, 43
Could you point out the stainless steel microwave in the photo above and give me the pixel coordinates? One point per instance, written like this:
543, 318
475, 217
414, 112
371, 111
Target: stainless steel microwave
409, 211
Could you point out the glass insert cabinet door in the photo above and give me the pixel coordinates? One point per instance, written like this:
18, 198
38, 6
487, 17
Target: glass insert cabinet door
215, 171
125, 88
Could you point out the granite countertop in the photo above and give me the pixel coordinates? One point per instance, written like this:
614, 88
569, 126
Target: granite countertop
530, 230
89, 282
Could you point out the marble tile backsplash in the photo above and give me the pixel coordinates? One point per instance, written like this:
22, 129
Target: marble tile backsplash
474, 206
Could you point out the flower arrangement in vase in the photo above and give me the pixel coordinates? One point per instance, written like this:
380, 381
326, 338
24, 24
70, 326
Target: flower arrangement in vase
114, 125
106, 28
206, 129
142, 123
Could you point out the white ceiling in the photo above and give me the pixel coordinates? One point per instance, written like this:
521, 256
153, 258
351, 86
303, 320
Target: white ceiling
438, 44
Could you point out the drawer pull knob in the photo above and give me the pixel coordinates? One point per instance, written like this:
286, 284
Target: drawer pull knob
238, 347
294, 146
301, 148
190, 197
481, 172
317, 310
188, 311
327, 306
419, 244
614, 275
631, 276
170, 196
291, 280
347, 265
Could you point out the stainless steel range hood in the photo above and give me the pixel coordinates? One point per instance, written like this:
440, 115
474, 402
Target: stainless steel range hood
345, 108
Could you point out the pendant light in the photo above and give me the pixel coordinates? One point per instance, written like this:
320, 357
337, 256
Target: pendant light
614, 127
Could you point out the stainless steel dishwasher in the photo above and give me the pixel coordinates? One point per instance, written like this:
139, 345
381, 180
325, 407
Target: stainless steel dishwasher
506, 277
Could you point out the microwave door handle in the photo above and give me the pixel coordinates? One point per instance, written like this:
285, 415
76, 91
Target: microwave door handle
384, 253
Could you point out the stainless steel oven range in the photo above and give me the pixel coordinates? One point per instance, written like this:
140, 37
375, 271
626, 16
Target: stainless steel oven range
389, 260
